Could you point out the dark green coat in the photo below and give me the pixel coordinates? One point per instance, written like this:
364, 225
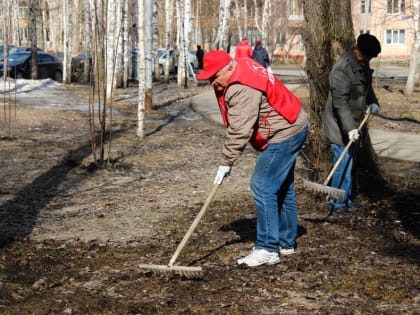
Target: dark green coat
349, 96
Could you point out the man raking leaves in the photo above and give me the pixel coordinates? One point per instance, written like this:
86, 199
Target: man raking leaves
257, 108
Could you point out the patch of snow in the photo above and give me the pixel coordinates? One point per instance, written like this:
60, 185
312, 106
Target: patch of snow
25, 86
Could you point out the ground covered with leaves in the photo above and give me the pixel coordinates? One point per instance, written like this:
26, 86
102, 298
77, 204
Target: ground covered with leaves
72, 234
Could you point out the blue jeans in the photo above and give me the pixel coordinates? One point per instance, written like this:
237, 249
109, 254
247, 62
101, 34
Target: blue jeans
342, 177
272, 185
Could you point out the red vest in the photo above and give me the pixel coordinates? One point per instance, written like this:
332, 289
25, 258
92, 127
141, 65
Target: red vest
250, 73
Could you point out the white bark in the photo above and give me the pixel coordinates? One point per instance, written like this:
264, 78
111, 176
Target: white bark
169, 10
155, 39
112, 41
6, 27
222, 30
87, 38
141, 69
180, 13
238, 19
148, 34
414, 66
67, 30
124, 47
266, 24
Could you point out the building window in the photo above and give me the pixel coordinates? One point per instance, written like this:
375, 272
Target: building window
23, 34
395, 37
24, 12
363, 4
395, 6
295, 9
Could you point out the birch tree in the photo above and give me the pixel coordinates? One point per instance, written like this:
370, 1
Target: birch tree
32, 25
414, 67
6, 31
148, 21
141, 69
238, 19
266, 24
67, 30
169, 13
184, 30
155, 39
223, 28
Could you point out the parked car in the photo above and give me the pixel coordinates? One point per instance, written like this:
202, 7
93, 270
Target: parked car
49, 66
162, 52
2, 51
16, 50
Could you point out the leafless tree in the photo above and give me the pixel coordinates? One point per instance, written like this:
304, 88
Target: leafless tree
328, 34
32, 17
68, 44
414, 66
141, 108
220, 41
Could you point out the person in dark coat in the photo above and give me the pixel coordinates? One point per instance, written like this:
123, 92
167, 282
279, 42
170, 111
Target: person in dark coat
200, 54
351, 95
260, 54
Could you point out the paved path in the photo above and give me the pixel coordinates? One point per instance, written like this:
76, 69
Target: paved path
396, 145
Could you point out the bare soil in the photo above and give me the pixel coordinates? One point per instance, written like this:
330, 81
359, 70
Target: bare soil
72, 234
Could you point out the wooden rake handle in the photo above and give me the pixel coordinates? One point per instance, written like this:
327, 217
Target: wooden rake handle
194, 225
337, 163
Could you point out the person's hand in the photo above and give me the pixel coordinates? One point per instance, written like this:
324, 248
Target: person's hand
354, 134
222, 171
373, 108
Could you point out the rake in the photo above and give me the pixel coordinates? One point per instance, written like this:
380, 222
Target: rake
189, 272
324, 188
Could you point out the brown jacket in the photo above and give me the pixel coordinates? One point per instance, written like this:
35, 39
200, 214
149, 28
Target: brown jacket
245, 106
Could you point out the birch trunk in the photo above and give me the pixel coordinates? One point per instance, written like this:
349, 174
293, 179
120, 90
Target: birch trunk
141, 69
180, 61
414, 67
238, 19
148, 20
67, 30
32, 25
6, 28
155, 39
224, 15
169, 10
266, 25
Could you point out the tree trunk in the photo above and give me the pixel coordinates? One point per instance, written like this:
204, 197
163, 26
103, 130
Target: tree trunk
148, 36
222, 30
32, 16
141, 69
328, 34
67, 17
169, 10
413, 70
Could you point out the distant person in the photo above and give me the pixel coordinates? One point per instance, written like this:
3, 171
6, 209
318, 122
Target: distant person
350, 96
260, 54
176, 59
243, 49
200, 55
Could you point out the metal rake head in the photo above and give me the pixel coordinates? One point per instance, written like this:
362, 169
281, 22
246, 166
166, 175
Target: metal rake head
320, 188
183, 271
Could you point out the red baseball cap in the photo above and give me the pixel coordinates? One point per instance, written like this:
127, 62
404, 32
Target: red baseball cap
213, 61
